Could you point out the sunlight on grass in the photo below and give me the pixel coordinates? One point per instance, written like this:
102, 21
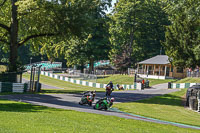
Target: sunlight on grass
189, 80
22, 118
129, 79
67, 86
167, 107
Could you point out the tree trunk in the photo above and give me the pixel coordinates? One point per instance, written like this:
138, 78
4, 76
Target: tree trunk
13, 39
82, 68
91, 68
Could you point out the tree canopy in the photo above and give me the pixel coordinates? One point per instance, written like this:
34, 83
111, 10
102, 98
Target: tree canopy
138, 25
92, 46
183, 35
39, 21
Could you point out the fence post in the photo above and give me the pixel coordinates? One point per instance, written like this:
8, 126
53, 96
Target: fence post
198, 97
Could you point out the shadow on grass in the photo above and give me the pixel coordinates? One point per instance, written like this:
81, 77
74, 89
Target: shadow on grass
68, 101
52, 101
56, 91
102, 77
167, 99
20, 107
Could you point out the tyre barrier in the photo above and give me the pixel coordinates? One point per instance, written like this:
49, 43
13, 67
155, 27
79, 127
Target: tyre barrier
13, 87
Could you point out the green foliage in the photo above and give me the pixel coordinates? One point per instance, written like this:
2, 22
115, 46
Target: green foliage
92, 45
183, 36
41, 21
137, 25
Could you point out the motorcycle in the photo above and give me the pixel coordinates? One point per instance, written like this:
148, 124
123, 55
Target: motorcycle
108, 90
104, 103
87, 98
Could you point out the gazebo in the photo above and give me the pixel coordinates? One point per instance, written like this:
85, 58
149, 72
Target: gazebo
159, 67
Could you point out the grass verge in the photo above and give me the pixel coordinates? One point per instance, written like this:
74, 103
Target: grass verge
21, 117
67, 87
189, 80
167, 107
127, 79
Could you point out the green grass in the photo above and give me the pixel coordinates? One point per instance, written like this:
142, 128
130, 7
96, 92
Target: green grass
159, 81
127, 79
18, 117
189, 80
167, 107
67, 86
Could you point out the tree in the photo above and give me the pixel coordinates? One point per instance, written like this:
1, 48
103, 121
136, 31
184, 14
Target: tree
183, 35
94, 44
138, 25
36, 21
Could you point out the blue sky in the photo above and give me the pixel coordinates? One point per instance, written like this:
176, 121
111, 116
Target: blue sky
113, 1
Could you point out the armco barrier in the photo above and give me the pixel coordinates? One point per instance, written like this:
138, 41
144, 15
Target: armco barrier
180, 85
91, 84
13, 87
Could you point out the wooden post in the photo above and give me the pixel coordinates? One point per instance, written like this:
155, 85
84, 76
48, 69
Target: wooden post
165, 70
137, 68
147, 70
159, 70
142, 69
153, 69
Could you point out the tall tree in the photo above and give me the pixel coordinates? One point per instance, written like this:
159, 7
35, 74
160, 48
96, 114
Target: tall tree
94, 45
183, 35
137, 25
35, 21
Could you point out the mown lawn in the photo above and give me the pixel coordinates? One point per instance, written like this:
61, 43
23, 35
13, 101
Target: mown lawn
67, 87
18, 117
127, 79
167, 107
189, 80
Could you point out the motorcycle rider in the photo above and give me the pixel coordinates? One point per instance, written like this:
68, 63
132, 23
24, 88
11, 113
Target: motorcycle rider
110, 84
89, 95
109, 102
109, 87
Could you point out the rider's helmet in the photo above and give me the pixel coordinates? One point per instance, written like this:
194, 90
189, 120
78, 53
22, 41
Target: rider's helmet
112, 99
94, 93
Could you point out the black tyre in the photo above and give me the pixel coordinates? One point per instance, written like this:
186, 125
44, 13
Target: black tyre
90, 103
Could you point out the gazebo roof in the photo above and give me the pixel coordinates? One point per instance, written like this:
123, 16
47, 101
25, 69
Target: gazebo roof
159, 59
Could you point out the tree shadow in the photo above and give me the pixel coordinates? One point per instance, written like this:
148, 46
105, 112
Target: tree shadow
59, 91
21, 107
70, 101
167, 99
102, 77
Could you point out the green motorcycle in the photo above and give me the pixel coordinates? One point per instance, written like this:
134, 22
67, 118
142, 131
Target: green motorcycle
104, 103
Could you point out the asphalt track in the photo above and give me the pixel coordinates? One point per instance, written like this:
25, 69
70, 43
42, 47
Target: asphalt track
70, 102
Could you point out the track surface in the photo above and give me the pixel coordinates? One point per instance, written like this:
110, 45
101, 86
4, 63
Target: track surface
70, 101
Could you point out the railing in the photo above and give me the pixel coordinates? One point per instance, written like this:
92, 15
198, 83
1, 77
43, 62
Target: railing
151, 72
193, 74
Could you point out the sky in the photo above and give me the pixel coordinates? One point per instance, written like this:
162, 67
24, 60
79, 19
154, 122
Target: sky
113, 2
